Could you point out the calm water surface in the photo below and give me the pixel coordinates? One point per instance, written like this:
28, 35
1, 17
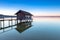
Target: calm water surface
40, 30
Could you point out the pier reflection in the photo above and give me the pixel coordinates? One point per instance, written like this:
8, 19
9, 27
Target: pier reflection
7, 25
21, 27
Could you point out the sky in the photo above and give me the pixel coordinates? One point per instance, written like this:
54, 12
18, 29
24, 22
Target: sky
35, 7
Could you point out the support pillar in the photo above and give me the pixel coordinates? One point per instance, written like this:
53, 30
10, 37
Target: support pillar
3, 24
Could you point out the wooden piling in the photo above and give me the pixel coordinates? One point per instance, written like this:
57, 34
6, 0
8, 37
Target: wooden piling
9, 23
3, 24
17, 19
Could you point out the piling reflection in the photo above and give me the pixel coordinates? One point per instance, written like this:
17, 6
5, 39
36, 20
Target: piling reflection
7, 25
21, 27
0, 24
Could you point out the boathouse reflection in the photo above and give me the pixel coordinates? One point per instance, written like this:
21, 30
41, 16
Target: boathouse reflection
21, 27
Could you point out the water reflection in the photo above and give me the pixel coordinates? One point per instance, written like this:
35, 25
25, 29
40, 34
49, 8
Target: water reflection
0, 24
21, 27
7, 25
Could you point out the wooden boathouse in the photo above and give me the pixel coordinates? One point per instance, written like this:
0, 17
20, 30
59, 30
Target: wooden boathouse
21, 16
24, 16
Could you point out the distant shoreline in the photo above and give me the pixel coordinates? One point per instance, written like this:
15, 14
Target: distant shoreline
47, 16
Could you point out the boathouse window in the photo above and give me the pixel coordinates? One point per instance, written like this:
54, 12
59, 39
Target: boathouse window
27, 16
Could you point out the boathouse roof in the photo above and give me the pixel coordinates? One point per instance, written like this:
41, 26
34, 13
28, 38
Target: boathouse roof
24, 12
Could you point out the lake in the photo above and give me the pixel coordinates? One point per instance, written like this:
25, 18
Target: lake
39, 29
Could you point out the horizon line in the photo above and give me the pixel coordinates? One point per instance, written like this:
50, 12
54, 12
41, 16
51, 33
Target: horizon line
46, 16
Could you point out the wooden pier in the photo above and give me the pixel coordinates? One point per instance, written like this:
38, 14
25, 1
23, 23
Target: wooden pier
10, 22
21, 16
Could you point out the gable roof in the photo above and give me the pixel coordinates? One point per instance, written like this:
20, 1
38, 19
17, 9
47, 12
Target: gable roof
24, 12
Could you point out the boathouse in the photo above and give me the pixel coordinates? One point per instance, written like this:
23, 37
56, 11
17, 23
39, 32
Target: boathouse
24, 16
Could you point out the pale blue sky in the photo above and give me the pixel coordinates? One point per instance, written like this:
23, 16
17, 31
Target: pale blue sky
34, 6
